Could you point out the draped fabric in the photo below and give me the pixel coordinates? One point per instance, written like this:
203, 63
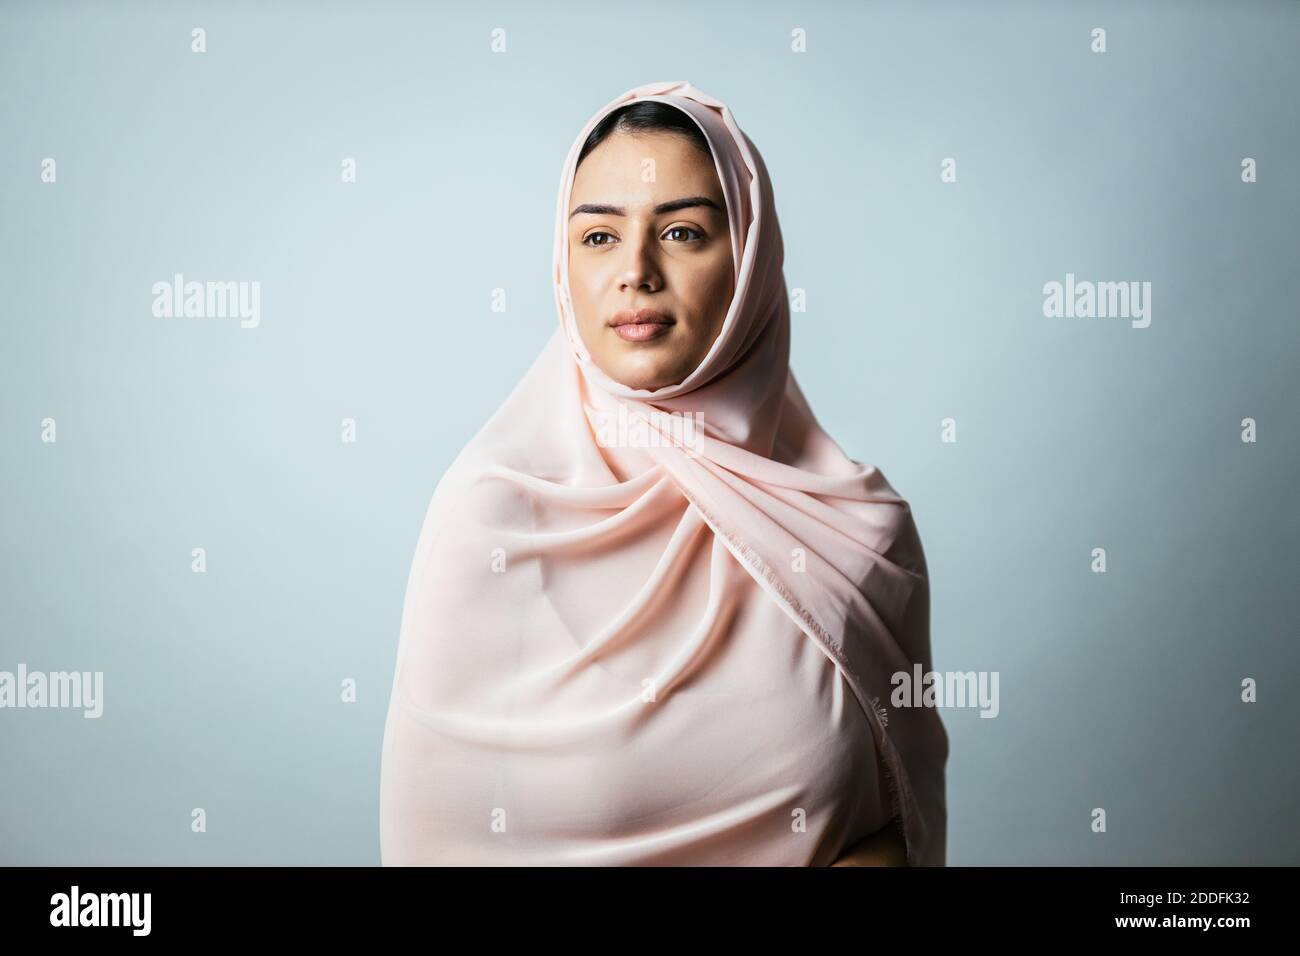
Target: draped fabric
675, 648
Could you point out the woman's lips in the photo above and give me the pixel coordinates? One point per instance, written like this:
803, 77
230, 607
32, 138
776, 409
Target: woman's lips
642, 331
641, 325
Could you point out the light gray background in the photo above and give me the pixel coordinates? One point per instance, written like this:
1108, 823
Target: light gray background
925, 302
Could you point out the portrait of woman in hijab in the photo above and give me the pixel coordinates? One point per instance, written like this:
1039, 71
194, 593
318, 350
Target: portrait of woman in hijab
654, 609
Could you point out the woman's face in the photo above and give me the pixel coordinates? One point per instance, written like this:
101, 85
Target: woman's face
648, 233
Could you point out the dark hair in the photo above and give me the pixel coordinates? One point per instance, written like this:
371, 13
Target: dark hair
645, 116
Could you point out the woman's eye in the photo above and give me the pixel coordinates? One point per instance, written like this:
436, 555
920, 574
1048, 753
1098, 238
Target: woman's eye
675, 234
694, 232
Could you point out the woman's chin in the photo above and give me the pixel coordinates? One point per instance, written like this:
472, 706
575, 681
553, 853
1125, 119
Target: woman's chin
642, 370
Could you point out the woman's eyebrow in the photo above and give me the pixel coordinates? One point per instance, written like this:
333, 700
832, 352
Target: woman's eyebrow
603, 209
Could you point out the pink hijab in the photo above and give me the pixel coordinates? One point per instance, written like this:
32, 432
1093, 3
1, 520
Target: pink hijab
547, 550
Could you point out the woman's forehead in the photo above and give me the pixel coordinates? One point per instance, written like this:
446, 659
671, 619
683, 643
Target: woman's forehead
629, 153
643, 169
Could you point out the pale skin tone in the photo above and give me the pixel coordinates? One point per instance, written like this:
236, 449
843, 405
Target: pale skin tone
663, 245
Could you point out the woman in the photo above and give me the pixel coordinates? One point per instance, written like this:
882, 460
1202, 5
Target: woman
654, 609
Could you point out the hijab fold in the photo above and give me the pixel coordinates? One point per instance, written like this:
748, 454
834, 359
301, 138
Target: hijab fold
550, 556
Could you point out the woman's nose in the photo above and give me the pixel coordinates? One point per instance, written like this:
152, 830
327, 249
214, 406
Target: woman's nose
640, 270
